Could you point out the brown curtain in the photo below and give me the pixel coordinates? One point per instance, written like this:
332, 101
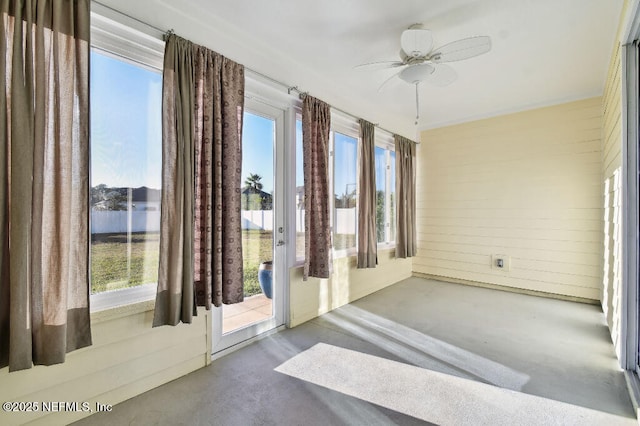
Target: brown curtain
406, 197
44, 174
316, 126
367, 236
200, 231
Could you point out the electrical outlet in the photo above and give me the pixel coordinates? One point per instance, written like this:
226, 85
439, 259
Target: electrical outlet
501, 262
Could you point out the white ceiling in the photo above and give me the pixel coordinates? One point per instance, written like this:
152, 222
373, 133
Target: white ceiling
544, 51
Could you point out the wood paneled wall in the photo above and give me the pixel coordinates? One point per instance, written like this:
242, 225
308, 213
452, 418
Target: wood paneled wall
525, 185
314, 297
128, 357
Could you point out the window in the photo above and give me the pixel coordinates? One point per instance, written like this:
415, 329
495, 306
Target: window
126, 161
343, 152
345, 163
125, 173
257, 190
299, 194
344, 156
385, 159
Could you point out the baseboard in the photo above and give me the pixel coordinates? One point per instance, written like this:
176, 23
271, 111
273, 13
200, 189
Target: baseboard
633, 386
509, 289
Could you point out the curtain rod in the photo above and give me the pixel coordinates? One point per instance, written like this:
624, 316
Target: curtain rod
146, 24
301, 94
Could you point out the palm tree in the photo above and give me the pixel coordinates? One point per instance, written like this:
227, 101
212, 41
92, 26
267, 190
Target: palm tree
253, 181
253, 192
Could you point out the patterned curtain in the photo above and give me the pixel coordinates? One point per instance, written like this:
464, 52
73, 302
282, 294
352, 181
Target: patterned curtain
406, 197
367, 236
200, 231
316, 126
44, 181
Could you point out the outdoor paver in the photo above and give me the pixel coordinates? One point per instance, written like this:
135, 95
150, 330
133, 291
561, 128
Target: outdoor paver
256, 301
242, 320
253, 309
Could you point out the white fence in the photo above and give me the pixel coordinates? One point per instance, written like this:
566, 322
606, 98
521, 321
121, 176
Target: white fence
257, 219
112, 222
108, 222
345, 220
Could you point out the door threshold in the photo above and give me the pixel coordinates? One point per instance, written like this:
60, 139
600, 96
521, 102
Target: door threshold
240, 345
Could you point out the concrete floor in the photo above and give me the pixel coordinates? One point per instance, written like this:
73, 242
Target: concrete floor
549, 348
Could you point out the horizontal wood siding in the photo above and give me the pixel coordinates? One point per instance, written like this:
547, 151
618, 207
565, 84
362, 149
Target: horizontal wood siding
314, 297
611, 176
128, 357
525, 185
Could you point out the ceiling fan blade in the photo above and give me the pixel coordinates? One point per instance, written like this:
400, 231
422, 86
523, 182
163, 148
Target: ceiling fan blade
384, 83
462, 49
442, 75
380, 65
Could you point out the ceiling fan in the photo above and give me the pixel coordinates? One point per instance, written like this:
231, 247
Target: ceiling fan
420, 62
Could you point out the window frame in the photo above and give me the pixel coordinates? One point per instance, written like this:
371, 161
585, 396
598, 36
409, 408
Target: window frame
126, 43
629, 353
385, 141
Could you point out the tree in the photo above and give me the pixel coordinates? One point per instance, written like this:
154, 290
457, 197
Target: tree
115, 200
105, 198
98, 194
253, 181
380, 207
253, 196
348, 199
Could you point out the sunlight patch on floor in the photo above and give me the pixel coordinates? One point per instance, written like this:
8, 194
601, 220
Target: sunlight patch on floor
432, 396
422, 350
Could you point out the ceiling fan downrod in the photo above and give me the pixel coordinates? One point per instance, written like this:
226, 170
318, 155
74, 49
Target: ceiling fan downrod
417, 104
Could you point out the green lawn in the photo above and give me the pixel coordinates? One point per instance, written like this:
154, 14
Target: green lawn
111, 270
257, 247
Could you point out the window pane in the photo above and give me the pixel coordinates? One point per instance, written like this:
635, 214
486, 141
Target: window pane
299, 194
381, 193
126, 156
392, 197
345, 163
258, 135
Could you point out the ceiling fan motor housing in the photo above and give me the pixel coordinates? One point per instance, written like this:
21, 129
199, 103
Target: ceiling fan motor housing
416, 42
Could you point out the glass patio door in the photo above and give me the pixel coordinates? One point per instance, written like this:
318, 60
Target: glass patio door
262, 231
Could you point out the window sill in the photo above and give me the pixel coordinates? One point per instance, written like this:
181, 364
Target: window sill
386, 246
120, 303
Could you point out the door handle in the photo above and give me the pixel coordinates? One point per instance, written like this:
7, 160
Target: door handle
280, 243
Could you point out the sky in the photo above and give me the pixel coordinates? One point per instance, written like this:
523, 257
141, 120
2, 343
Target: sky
345, 164
258, 135
126, 128
126, 133
123, 152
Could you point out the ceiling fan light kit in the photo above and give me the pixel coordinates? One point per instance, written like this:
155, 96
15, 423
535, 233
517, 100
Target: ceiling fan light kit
416, 73
421, 62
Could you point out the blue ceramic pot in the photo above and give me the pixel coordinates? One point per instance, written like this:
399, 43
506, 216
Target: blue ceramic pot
265, 277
